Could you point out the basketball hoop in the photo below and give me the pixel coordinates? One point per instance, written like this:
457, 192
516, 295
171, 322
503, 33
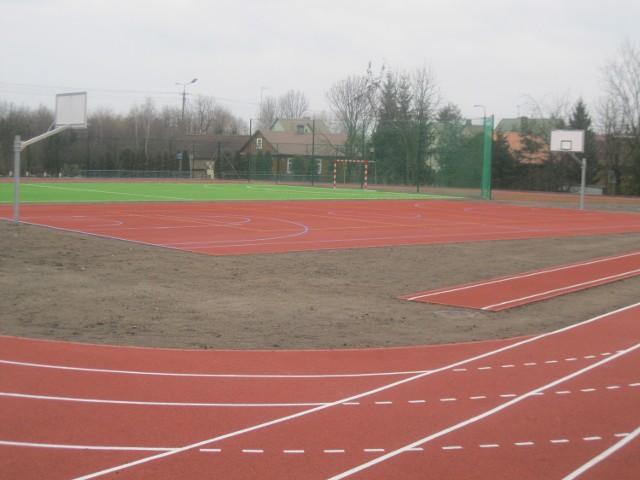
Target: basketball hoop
571, 142
71, 112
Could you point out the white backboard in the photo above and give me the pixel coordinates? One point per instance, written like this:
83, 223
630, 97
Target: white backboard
567, 141
71, 110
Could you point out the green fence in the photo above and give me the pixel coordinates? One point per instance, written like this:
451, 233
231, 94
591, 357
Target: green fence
438, 157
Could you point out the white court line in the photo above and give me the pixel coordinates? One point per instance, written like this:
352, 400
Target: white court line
214, 375
157, 404
523, 275
482, 416
608, 452
354, 397
504, 235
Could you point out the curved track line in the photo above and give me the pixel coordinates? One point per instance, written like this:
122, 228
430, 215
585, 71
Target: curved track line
483, 415
85, 447
388, 387
213, 375
158, 404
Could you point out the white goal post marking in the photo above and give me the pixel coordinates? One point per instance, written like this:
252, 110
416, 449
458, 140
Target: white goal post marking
335, 170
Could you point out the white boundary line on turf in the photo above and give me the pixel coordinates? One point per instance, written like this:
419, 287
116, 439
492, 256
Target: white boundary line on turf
481, 416
355, 397
604, 455
125, 194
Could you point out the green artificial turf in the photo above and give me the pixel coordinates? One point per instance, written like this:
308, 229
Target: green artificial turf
126, 192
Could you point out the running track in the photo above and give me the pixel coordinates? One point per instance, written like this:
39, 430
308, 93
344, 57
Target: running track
267, 227
528, 408
561, 405
512, 291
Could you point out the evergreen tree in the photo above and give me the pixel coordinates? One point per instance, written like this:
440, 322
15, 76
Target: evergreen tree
580, 120
505, 169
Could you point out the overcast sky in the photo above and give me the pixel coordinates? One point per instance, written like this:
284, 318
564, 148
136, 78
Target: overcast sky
496, 53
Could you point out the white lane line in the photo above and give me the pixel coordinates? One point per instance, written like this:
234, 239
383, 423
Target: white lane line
358, 396
482, 416
86, 447
157, 404
603, 456
212, 375
568, 288
520, 276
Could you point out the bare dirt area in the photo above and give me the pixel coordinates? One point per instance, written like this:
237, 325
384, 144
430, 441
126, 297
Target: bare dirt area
65, 286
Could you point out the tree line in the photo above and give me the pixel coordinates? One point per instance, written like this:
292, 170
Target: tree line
397, 118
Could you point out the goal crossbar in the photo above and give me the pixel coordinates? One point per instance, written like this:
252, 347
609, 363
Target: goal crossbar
335, 170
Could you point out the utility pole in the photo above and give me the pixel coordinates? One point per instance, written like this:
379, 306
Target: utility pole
182, 126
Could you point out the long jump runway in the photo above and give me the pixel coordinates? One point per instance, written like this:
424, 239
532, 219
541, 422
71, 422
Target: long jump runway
558, 405
231, 228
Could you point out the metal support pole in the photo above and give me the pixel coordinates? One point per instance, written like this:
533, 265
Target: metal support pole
17, 148
583, 182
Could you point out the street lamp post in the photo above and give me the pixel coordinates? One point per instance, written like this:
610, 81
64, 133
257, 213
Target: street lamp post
184, 132
484, 110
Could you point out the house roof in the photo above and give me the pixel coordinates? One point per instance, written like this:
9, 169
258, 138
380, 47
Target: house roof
516, 145
290, 144
525, 125
291, 125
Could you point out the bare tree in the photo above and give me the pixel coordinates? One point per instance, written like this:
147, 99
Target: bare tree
352, 101
268, 112
426, 94
148, 116
620, 112
293, 104
200, 115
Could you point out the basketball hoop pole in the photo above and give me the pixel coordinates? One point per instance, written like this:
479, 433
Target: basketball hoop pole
18, 146
570, 141
583, 176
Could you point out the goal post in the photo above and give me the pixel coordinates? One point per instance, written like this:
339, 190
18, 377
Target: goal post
366, 170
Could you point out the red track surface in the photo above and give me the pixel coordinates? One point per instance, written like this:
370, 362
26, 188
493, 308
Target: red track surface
267, 227
528, 408
508, 292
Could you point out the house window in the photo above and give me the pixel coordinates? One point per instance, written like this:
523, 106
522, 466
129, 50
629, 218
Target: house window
289, 165
259, 143
300, 128
319, 166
